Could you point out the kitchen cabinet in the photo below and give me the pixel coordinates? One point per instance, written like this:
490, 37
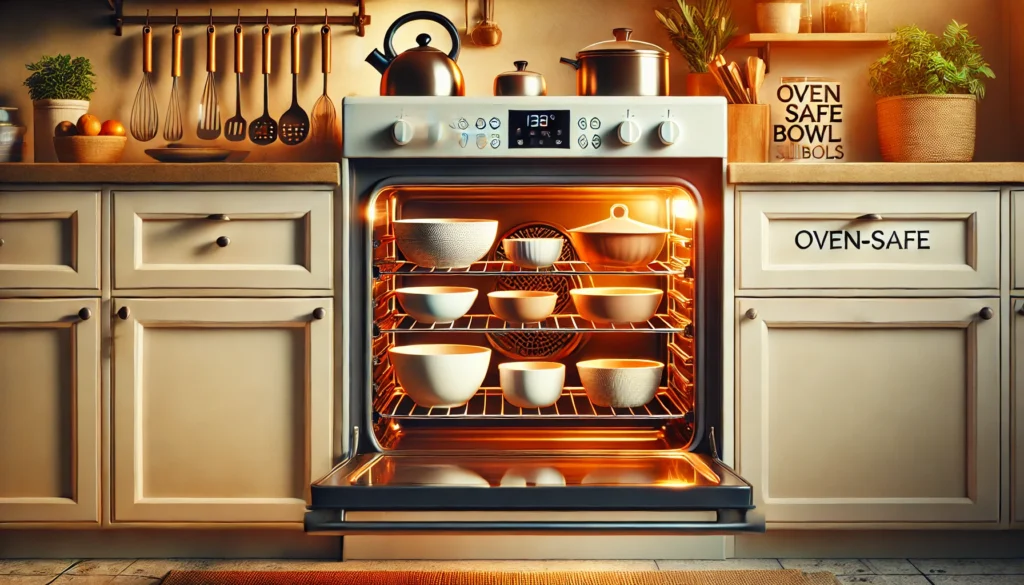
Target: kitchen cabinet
221, 408
856, 411
1017, 413
49, 410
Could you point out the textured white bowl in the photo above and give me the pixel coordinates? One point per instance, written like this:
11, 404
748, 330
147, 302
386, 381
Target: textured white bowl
522, 306
528, 476
436, 304
778, 17
532, 384
617, 304
533, 252
441, 375
445, 243
620, 383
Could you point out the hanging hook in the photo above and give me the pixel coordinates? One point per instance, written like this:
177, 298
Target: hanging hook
147, 17
268, 17
239, 23
175, 17
296, 23
326, 18
211, 17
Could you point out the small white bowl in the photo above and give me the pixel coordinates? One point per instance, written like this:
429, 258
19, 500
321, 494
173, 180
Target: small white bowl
522, 306
532, 384
617, 304
440, 375
620, 383
436, 304
445, 242
533, 253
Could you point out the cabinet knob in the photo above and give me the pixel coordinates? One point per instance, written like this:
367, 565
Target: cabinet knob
319, 313
123, 313
751, 314
85, 314
870, 217
1020, 311
218, 217
223, 241
986, 313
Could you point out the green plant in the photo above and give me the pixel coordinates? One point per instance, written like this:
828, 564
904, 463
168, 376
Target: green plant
60, 78
919, 62
700, 30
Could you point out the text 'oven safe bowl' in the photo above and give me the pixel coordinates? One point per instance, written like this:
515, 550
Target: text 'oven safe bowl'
440, 375
522, 306
619, 242
620, 383
617, 304
533, 253
436, 304
445, 242
532, 384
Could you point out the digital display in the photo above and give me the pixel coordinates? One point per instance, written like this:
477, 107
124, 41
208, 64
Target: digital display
538, 129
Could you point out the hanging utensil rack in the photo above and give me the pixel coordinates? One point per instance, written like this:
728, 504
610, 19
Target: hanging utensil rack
359, 19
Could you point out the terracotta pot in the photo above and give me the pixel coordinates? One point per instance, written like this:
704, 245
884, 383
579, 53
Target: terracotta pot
927, 128
702, 84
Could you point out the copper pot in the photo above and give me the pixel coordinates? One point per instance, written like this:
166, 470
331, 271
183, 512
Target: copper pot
621, 68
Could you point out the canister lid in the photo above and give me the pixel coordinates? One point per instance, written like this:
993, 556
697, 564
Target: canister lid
622, 45
520, 71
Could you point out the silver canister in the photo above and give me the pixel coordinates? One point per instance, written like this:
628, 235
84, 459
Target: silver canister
520, 82
807, 121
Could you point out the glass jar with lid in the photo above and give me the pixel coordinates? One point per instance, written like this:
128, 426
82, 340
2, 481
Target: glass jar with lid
844, 16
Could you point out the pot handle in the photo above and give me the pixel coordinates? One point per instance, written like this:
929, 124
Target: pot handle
620, 207
389, 47
571, 62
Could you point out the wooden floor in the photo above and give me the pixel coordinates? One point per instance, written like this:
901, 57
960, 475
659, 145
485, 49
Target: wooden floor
867, 571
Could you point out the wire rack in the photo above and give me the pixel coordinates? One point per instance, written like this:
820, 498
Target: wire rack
399, 323
392, 267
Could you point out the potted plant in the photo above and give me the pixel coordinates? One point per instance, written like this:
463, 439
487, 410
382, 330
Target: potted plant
700, 30
929, 88
60, 88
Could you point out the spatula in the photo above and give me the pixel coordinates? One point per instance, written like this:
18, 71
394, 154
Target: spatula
234, 128
755, 77
263, 130
294, 123
325, 133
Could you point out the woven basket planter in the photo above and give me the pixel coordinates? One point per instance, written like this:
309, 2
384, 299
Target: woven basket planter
927, 128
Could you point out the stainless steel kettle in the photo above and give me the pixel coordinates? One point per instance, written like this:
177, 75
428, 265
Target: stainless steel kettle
421, 70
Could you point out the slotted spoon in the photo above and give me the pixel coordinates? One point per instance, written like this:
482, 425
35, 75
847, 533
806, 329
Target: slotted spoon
234, 128
263, 130
208, 127
294, 123
145, 120
326, 130
172, 123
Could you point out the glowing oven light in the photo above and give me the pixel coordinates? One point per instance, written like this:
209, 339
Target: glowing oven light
683, 208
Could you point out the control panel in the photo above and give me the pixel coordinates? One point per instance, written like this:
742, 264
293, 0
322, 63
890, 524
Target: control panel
537, 127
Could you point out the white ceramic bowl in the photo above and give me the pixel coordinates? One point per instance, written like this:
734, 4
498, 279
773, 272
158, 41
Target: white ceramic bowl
445, 243
522, 306
620, 383
778, 17
529, 476
440, 375
617, 304
436, 304
532, 384
533, 252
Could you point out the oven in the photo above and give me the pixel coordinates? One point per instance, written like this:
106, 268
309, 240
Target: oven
539, 167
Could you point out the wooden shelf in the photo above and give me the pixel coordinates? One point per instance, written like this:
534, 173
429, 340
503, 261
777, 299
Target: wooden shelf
763, 42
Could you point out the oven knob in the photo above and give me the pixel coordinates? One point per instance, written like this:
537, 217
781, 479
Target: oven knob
629, 132
402, 132
668, 132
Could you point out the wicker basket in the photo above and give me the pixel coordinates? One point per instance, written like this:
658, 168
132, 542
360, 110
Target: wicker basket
89, 149
927, 128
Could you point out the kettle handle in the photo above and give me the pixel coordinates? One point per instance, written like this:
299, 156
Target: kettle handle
389, 47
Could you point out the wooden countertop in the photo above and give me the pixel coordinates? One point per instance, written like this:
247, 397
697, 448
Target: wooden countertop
875, 173
165, 173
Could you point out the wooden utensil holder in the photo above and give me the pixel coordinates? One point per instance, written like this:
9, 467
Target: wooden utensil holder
749, 132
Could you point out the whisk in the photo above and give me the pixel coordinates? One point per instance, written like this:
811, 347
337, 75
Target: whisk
172, 123
145, 117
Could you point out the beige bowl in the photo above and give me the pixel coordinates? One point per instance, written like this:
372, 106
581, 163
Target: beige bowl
445, 243
619, 242
532, 384
533, 253
617, 304
436, 304
440, 375
89, 149
620, 383
522, 306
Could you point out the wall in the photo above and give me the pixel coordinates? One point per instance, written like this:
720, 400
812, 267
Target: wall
539, 31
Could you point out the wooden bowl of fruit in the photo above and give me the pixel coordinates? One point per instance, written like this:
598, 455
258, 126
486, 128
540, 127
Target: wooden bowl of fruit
89, 141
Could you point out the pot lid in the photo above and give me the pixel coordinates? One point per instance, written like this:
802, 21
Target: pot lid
620, 224
622, 45
520, 71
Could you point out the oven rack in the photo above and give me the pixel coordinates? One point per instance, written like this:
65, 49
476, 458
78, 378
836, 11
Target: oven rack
489, 403
401, 323
395, 267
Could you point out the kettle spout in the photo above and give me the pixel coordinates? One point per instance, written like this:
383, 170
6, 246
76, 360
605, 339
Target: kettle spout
378, 60
571, 62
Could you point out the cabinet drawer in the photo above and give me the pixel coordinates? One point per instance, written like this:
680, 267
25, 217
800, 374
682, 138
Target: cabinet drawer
222, 239
49, 240
868, 240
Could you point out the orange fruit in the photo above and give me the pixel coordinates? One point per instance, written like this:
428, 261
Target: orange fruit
89, 125
65, 129
112, 128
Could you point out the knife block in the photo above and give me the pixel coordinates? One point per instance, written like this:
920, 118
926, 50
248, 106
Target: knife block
749, 132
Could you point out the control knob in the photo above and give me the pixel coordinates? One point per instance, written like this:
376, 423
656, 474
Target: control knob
401, 132
668, 132
629, 132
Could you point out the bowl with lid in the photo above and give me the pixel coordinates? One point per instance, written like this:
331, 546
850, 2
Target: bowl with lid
619, 242
445, 242
520, 82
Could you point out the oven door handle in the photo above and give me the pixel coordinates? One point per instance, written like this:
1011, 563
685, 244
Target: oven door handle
728, 521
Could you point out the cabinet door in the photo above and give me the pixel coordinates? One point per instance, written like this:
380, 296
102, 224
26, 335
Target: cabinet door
49, 410
860, 411
222, 408
1017, 413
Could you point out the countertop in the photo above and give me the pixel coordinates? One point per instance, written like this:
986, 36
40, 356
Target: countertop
875, 173
177, 173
